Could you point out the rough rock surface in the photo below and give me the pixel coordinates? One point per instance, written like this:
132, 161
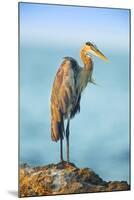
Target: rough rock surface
63, 178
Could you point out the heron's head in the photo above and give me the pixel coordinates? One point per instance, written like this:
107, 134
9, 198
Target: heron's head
91, 49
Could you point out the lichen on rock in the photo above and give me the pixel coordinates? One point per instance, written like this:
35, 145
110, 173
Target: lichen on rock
63, 178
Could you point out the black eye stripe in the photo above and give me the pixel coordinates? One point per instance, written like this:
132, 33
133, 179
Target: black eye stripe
93, 46
89, 43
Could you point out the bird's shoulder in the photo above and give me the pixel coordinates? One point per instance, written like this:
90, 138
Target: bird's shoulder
71, 62
68, 64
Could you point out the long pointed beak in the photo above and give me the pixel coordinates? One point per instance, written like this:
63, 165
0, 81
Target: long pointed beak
100, 55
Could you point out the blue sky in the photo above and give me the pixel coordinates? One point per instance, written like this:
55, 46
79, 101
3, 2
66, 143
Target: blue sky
66, 24
99, 136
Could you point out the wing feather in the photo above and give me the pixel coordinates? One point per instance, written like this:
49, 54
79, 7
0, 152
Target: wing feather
62, 96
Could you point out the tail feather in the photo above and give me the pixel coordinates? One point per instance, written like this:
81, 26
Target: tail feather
57, 130
54, 131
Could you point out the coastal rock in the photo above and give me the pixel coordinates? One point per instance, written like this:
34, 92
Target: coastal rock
63, 178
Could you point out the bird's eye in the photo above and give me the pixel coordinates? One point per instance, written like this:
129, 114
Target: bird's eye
92, 47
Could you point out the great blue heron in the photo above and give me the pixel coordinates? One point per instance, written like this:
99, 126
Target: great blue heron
69, 83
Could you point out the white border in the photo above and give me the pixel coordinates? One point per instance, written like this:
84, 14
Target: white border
9, 98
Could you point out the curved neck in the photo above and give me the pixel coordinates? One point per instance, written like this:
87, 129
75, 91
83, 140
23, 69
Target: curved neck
86, 60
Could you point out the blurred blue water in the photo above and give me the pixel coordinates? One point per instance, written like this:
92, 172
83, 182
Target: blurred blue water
99, 134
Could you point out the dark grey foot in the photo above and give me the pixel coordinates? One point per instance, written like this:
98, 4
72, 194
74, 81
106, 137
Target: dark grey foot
65, 164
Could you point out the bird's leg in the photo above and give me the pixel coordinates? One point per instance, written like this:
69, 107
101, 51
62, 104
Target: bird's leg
67, 139
61, 152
